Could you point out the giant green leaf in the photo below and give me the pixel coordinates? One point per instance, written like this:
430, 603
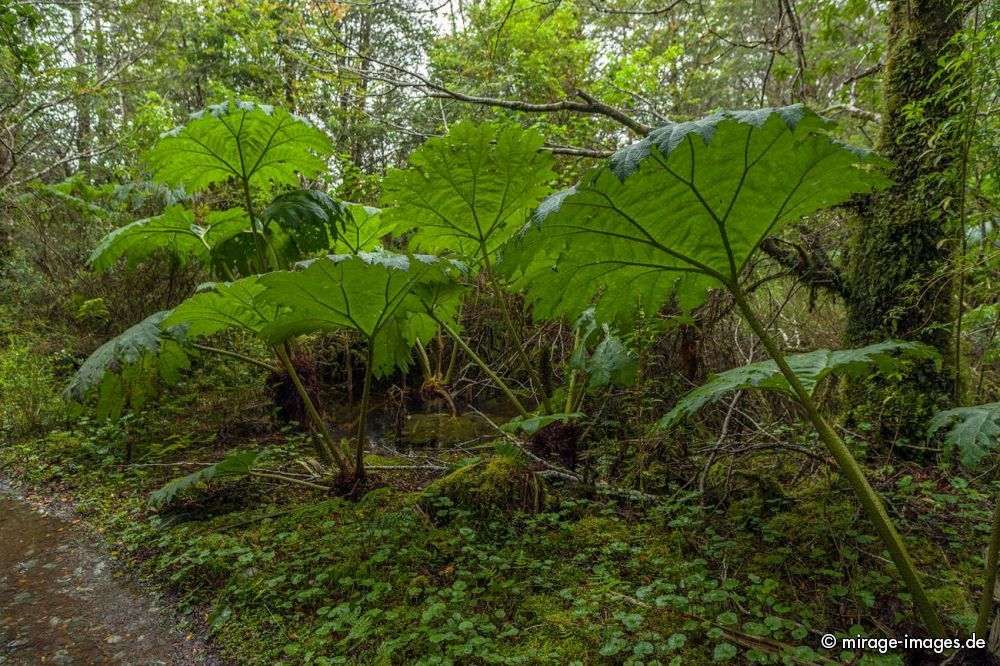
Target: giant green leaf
364, 229
682, 211
532, 424
296, 225
313, 220
471, 188
810, 368
241, 140
236, 464
974, 431
221, 225
174, 232
382, 295
121, 372
224, 306
237, 256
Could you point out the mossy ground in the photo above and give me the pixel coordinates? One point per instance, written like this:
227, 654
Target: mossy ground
282, 575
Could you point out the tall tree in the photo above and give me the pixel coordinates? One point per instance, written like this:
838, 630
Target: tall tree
896, 281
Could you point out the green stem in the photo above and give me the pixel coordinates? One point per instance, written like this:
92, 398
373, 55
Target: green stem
327, 448
425, 361
454, 355
359, 449
485, 368
451, 364
254, 232
501, 302
870, 501
235, 355
572, 376
580, 395
989, 577
969, 128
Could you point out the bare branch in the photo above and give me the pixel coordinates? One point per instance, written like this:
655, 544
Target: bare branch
603, 9
64, 160
813, 267
586, 104
578, 152
854, 112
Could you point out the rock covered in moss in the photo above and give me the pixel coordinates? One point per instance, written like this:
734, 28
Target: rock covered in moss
500, 486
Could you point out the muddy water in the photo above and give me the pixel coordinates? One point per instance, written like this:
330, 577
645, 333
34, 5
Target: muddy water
60, 603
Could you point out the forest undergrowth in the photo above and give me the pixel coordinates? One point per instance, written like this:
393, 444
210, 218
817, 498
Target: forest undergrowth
757, 567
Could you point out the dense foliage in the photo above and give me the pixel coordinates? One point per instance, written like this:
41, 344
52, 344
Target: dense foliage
574, 332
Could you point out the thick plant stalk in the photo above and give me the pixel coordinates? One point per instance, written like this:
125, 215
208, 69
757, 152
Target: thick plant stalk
454, 355
870, 501
328, 449
522, 353
234, 355
424, 360
366, 393
484, 366
257, 235
288, 479
571, 387
989, 577
453, 358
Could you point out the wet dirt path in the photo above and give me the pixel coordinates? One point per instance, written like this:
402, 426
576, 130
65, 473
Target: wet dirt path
60, 603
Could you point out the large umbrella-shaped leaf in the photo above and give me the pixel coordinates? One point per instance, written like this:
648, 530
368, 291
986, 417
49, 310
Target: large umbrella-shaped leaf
174, 232
221, 225
382, 295
312, 218
811, 368
224, 306
242, 140
471, 188
682, 211
121, 371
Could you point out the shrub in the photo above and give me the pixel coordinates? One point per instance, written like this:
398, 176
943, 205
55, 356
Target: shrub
28, 398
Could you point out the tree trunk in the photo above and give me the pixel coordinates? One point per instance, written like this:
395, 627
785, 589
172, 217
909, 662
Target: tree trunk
83, 109
896, 281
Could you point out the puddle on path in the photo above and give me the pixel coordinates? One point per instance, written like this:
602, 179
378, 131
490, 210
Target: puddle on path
60, 604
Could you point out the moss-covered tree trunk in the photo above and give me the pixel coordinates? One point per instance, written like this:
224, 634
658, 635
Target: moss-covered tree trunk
897, 282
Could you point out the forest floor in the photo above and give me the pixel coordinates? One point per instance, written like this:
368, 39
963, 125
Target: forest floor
63, 604
272, 573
